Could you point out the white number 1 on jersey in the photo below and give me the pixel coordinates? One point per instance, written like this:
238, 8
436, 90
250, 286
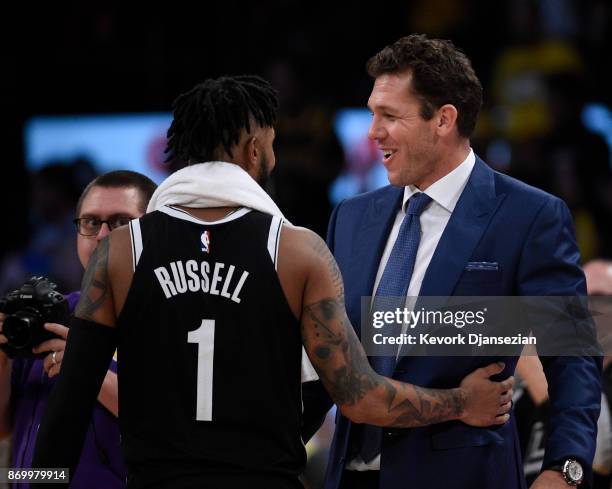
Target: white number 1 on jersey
204, 337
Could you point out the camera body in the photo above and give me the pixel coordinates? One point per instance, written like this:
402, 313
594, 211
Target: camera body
27, 309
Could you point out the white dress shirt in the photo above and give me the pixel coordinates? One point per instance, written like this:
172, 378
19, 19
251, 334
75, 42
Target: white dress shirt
445, 194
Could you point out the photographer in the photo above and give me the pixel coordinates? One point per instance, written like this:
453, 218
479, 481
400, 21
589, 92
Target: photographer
109, 201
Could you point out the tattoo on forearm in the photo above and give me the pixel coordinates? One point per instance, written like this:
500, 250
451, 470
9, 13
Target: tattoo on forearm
347, 375
95, 287
433, 406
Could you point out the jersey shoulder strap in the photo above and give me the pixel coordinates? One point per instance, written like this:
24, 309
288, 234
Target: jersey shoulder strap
274, 239
136, 239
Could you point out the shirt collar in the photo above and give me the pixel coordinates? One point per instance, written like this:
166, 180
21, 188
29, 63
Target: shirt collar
447, 190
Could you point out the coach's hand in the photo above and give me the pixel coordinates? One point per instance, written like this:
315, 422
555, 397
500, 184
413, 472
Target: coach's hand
550, 479
56, 346
487, 402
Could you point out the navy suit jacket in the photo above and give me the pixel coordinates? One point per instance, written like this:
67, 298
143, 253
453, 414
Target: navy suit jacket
529, 233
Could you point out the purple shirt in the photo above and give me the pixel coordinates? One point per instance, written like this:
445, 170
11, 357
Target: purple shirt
101, 465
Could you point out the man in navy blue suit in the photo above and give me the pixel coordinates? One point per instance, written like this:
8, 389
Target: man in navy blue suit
471, 232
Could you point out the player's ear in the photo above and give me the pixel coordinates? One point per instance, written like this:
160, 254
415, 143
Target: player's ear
254, 149
243, 153
251, 153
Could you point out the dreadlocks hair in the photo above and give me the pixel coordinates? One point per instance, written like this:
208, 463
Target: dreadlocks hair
214, 114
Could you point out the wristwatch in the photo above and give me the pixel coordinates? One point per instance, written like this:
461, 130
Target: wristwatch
571, 470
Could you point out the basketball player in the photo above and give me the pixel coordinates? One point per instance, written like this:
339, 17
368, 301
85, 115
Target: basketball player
209, 299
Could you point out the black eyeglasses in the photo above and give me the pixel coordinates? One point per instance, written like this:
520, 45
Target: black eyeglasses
90, 226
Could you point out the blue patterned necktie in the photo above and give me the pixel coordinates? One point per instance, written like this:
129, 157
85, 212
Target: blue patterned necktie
390, 294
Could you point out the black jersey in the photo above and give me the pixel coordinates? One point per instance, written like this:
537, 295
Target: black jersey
209, 356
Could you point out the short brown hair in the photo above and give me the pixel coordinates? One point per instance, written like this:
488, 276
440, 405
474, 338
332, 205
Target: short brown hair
441, 74
122, 179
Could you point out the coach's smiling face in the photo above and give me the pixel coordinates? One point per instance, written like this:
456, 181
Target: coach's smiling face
414, 149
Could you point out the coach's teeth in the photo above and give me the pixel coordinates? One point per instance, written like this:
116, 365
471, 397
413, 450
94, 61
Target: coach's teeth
387, 154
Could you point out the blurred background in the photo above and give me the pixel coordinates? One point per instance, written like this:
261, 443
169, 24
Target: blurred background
88, 88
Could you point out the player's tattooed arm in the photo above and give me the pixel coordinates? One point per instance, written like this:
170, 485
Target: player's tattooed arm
361, 393
328, 262
347, 375
95, 303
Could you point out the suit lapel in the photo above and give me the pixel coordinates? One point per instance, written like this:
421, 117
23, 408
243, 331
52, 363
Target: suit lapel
368, 247
467, 223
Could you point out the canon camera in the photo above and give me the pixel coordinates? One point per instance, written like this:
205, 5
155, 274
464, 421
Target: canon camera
27, 309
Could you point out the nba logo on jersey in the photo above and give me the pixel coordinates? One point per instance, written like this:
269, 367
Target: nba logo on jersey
205, 238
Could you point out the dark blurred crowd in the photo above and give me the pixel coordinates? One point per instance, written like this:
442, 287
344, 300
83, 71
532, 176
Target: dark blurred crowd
541, 63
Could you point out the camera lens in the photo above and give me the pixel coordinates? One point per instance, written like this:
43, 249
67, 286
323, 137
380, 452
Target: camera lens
18, 328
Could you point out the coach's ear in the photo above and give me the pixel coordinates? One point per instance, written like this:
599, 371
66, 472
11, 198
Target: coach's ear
445, 120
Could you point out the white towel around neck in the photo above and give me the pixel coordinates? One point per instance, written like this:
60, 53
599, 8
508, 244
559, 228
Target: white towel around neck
213, 184
220, 184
